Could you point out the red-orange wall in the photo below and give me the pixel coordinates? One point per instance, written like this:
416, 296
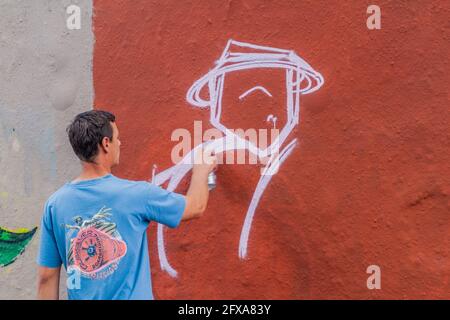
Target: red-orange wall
369, 182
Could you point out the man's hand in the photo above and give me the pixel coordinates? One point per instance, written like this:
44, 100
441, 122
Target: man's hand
197, 196
205, 161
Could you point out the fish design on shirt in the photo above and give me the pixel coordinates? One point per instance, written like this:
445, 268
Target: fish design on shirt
97, 248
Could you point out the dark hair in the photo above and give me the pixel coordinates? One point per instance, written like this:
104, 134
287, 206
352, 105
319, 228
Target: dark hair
87, 131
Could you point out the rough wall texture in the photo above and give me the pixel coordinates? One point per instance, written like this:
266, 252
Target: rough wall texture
369, 182
45, 79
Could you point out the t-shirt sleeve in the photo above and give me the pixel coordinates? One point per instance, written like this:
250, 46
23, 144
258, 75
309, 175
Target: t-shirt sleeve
48, 251
163, 206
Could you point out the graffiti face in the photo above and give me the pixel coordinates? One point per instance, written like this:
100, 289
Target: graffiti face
259, 66
260, 104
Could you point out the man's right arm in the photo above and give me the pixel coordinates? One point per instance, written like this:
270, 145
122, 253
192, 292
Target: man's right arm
198, 192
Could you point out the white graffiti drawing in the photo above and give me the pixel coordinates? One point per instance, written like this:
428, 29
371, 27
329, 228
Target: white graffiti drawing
254, 89
301, 79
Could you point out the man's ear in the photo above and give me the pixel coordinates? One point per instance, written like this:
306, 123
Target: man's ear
105, 144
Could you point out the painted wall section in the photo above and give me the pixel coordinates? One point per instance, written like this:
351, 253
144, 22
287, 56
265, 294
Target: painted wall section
13, 244
368, 183
45, 79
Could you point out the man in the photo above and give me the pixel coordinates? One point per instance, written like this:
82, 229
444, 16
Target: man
96, 224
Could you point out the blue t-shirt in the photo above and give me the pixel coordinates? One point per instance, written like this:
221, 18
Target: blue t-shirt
97, 229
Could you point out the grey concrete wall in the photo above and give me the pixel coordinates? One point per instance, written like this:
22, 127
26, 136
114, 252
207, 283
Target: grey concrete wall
45, 79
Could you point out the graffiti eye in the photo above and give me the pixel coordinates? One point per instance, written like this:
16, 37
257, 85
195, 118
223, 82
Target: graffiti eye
254, 89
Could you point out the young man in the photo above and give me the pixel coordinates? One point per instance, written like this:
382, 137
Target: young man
96, 225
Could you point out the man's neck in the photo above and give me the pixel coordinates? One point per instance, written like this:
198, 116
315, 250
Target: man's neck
92, 171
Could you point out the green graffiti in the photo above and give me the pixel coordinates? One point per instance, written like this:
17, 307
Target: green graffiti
13, 243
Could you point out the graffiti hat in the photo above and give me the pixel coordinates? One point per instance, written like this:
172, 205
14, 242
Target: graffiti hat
239, 56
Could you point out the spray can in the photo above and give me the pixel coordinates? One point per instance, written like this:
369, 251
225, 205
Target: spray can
211, 180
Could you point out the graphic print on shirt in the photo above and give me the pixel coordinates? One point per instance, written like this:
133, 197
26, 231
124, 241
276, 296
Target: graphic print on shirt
97, 247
